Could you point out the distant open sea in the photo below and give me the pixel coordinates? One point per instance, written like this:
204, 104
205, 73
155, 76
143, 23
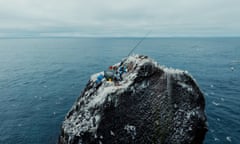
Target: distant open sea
40, 78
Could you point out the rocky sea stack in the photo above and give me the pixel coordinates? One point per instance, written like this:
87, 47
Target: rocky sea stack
151, 105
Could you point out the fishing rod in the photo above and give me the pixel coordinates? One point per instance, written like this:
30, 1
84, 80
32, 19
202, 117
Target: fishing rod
139, 42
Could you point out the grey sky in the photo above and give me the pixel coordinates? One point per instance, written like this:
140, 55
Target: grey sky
119, 17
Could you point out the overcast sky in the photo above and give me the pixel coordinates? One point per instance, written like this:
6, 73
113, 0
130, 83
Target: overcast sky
119, 17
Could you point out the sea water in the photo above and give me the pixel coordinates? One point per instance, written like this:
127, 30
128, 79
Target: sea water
40, 78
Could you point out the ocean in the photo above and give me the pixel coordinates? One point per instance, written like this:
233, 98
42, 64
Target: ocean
40, 79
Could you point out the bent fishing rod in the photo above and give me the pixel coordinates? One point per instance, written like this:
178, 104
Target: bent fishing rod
139, 42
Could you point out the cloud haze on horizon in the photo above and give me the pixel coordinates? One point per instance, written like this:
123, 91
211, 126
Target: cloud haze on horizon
119, 18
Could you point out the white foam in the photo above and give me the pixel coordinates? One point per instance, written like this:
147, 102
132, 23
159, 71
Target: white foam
215, 103
228, 138
216, 139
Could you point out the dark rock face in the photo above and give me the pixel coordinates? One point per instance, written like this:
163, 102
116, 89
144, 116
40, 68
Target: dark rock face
152, 104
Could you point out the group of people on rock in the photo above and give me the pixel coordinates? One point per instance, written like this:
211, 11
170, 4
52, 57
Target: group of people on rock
114, 73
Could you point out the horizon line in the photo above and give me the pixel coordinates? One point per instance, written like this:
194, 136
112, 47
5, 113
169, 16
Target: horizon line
19, 37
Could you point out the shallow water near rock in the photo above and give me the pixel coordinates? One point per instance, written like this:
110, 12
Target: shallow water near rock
41, 78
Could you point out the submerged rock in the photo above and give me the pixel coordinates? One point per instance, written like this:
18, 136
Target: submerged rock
152, 104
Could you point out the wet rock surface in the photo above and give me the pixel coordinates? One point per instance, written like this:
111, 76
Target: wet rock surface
153, 104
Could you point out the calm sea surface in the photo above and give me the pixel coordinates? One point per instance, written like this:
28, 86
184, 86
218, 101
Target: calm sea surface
41, 78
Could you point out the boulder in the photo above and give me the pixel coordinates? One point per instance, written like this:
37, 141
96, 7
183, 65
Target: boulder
152, 104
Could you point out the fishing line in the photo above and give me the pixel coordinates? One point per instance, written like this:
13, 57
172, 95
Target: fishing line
139, 42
